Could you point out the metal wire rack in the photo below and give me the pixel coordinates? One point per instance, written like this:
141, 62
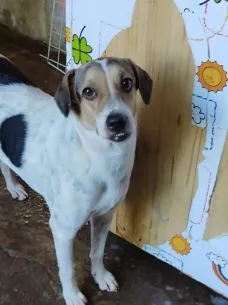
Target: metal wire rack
56, 56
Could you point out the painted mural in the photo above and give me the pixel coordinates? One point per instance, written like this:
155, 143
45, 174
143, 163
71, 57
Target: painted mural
206, 25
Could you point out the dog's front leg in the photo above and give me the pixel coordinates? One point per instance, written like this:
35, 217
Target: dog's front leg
99, 230
63, 240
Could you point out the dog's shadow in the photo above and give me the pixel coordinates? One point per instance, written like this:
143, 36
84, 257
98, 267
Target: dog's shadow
165, 128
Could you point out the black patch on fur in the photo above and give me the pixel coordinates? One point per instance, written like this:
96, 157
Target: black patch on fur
10, 74
12, 138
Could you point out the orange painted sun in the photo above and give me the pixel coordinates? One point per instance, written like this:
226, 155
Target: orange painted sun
212, 76
180, 245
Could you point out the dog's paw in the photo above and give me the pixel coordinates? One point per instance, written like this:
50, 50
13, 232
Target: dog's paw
17, 191
106, 281
74, 298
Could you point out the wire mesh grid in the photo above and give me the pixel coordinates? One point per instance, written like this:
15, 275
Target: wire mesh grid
56, 56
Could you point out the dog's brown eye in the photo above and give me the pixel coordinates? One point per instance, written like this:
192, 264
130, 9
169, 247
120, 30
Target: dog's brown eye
89, 93
126, 84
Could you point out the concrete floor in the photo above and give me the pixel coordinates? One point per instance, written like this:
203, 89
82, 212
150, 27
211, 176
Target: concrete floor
28, 273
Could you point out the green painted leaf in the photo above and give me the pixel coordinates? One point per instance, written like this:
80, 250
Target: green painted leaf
84, 47
76, 49
80, 49
85, 58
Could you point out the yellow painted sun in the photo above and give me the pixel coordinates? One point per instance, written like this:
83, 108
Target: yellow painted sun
212, 76
68, 34
180, 245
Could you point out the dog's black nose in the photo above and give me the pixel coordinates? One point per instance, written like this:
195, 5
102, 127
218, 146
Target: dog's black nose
116, 122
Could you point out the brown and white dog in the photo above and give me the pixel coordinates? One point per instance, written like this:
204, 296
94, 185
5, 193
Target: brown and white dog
75, 149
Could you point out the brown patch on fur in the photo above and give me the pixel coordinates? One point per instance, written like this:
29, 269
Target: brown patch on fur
93, 75
119, 70
94, 78
143, 82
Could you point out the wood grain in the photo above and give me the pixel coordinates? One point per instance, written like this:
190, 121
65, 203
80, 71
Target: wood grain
218, 216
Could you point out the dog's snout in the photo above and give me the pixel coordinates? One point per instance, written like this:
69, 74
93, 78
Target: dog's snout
118, 127
116, 122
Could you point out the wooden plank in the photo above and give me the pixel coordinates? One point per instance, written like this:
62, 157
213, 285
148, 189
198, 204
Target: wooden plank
218, 217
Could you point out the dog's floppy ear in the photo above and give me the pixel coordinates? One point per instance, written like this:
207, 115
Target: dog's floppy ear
143, 82
65, 95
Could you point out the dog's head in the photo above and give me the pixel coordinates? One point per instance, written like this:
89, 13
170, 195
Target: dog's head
102, 93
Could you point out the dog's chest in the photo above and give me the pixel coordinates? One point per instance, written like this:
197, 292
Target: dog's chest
109, 183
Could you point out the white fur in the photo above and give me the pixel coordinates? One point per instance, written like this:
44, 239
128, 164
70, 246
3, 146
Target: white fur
80, 174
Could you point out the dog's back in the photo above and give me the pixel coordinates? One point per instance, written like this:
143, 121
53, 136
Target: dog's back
24, 108
10, 74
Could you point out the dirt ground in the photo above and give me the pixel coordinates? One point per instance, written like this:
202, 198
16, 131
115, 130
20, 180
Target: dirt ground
28, 273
